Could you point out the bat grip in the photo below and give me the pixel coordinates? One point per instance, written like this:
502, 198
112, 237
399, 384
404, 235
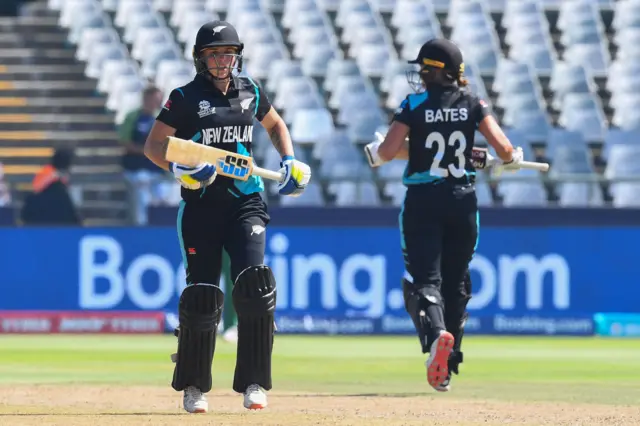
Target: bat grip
542, 167
268, 174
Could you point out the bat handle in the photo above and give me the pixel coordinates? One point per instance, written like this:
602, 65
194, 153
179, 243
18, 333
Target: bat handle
268, 174
542, 167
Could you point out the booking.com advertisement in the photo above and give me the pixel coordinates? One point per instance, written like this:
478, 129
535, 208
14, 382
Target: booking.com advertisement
330, 280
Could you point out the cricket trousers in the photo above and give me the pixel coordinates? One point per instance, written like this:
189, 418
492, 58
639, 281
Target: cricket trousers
439, 235
237, 225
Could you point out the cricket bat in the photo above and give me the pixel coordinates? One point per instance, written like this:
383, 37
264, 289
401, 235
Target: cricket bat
229, 164
482, 159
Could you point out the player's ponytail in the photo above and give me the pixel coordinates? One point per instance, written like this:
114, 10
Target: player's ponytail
462, 81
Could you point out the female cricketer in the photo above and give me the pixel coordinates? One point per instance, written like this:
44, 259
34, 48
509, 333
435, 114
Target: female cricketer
218, 108
439, 217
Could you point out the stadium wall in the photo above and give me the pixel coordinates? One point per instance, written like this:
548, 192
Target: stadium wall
338, 270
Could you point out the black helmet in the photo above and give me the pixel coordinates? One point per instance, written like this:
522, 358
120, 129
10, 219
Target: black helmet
438, 53
216, 34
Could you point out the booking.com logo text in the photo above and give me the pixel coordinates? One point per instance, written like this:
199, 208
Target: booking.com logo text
361, 284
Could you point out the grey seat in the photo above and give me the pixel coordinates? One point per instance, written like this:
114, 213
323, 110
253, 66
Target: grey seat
579, 194
312, 197
336, 68
363, 194
309, 125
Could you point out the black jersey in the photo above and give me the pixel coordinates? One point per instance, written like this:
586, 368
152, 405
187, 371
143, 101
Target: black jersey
442, 123
202, 113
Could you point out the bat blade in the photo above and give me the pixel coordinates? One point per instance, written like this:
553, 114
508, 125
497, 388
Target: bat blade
189, 153
229, 164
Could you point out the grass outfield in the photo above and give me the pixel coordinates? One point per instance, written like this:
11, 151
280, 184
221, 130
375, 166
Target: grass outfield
580, 370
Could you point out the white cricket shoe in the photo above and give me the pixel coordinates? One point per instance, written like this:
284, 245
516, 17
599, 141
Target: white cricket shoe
255, 398
438, 362
195, 401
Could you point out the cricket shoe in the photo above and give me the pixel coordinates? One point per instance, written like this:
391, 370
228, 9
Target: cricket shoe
446, 385
438, 362
195, 401
255, 398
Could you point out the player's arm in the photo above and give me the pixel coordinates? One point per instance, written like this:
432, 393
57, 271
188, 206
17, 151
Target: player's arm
168, 120
490, 129
395, 144
155, 146
278, 132
296, 173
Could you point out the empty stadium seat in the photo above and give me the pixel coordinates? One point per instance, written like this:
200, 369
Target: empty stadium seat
114, 69
623, 161
338, 68
363, 194
579, 194
334, 69
308, 125
316, 62
625, 194
290, 88
522, 194
327, 143
312, 198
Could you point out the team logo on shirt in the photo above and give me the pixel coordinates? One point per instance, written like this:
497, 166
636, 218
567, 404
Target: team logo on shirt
205, 109
246, 104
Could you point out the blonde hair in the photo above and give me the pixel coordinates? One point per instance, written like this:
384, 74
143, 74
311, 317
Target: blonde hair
462, 81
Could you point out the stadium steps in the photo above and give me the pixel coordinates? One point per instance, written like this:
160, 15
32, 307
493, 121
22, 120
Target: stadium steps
46, 102
43, 105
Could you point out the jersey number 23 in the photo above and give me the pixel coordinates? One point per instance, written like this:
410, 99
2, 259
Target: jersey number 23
456, 141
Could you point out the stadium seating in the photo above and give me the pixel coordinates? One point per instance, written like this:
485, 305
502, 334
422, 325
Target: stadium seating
561, 76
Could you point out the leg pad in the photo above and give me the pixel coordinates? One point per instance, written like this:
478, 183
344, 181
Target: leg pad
254, 298
199, 311
424, 305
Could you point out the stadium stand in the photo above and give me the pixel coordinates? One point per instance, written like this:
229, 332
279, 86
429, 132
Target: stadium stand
562, 77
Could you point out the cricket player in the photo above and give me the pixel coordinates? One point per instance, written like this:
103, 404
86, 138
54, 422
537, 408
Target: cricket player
439, 218
218, 108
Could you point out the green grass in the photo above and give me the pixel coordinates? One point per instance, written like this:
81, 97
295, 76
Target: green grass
556, 369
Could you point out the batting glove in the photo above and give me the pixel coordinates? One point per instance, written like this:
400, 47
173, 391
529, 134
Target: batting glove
512, 166
296, 176
371, 149
194, 177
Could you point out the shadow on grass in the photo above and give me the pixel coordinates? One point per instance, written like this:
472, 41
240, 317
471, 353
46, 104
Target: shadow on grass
87, 414
362, 395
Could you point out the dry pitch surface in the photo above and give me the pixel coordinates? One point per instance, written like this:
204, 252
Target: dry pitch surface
82, 381
113, 405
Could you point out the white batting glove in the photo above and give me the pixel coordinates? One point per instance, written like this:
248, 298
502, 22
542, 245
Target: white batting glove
514, 165
194, 177
297, 177
371, 149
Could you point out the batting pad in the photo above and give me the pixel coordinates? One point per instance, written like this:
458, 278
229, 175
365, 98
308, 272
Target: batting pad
254, 297
199, 311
